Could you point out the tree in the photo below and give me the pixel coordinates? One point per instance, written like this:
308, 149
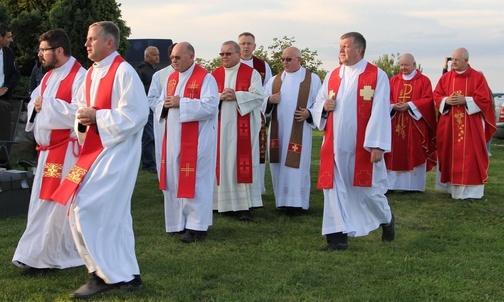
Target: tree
390, 64
75, 16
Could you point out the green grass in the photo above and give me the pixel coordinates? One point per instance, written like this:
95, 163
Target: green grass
445, 250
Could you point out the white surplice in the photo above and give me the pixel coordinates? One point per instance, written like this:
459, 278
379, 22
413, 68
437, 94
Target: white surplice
195, 213
267, 77
292, 186
47, 241
100, 215
349, 209
157, 85
230, 195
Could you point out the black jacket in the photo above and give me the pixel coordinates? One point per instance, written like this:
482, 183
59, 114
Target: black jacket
11, 72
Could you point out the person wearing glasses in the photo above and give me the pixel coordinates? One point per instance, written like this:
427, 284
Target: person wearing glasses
288, 102
247, 44
241, 94
188, 109
352, 108
466, 123
47, 242
113, 111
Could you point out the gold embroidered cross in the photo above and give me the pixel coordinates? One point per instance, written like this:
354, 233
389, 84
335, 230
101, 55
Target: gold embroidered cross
187, 169
193, 87
367, 93
332, 94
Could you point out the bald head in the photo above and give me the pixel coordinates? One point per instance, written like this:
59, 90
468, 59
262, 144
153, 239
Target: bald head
182, 56
460, 59
407, 63
291, 59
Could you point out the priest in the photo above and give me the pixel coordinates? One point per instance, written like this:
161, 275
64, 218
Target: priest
466, 124
413, 116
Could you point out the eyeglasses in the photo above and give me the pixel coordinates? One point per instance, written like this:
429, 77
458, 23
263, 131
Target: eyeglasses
176, 57
227, 54
287, 59
42, 50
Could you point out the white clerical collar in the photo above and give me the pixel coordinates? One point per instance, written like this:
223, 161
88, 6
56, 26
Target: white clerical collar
233, 67
461, 72
107, 61
68, 65
410, 76
189, 70
359, 67
292, 74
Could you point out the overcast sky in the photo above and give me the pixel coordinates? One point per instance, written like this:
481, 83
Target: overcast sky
429, 29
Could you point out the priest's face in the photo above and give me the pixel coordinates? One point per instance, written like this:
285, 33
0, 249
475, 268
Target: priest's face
47, 55
291, 59
349, 54
229, 56
459, 61
181, 58
406, 65
247, 46
98, 45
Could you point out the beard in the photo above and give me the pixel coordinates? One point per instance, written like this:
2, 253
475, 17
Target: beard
51, 63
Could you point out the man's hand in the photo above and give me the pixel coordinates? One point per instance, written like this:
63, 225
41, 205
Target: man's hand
274, 98
301, 114
376, 155
401, 107
86, 116
329, 105
228, 94
3, 90
172, 101
456, 99
38, 104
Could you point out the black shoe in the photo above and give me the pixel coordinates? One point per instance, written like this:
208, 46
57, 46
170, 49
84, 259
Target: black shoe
132, 285
93, 286
331, 246
36, 272
191, 236
472, 199
244, 215
388, 230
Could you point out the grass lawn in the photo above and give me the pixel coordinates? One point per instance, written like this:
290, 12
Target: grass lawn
445, 250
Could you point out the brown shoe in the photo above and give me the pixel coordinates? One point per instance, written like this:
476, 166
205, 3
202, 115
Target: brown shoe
93, 286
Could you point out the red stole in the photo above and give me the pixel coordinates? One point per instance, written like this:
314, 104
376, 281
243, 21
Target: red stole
463, 157
244, 142
92, 146
260, 66
60, 138
189, 132
363, 169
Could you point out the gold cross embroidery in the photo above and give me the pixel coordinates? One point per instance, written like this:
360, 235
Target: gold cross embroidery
295, 147
193, 88
53, 170
367, 93
187, 169
332, 94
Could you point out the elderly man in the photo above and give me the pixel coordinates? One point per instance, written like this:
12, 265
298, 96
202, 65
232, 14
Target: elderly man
241, 95
466, 123
288, 101
113, 111
413, 116
189, 109
352, 109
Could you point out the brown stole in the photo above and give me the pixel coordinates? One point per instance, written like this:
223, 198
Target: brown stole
244, 142
363, 169
92, 146
260, 66
296, 139
58, 142
189, 133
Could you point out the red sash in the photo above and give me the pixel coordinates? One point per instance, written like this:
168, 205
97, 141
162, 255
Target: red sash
363, 169
188, 136
60, 138
92, 146
244, 142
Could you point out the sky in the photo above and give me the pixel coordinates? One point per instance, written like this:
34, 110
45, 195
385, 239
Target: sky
428, 29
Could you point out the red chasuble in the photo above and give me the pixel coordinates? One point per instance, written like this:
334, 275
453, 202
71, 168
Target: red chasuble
189, 133
244, 142
58, 142
461, 138
363, 170
413, 141
92, 146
